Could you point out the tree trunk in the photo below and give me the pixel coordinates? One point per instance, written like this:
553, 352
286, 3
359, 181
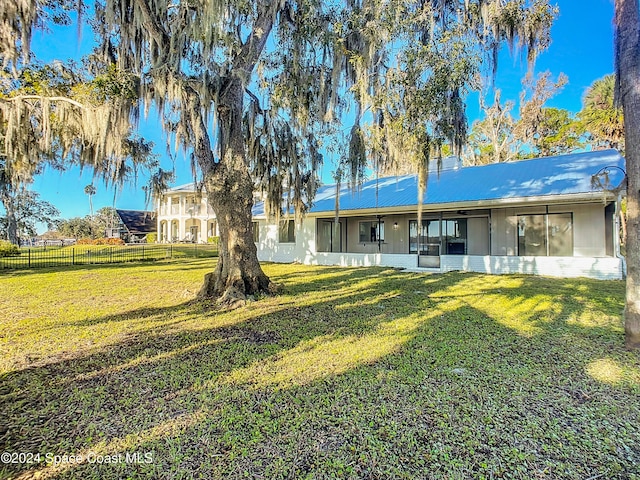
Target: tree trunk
230, 193
627, 20
238, 273
228, 182
12, 222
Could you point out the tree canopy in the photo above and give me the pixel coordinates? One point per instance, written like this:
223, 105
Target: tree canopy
539, 130
252, 91
28, 210
601, 117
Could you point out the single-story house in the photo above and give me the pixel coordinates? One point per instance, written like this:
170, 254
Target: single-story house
541, 216
136, 225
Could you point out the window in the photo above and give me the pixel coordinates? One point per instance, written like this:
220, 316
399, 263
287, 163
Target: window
454, 237
255, 230
428, 242
371, 232
560, 235
329, 237
213, 228
287, 232
545, 235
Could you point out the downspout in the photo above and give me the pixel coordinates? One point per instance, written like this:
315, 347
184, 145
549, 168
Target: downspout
616, 236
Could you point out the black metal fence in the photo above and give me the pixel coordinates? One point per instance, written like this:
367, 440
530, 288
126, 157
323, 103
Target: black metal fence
79, 255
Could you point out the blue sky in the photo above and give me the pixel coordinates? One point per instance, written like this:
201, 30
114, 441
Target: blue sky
582, 48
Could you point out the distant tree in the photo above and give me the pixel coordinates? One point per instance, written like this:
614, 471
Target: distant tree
27, 210
6, 198
627, 47
492, 139
90, 190
77, 227
601, 118
90, 226
556, 133
535, 123
104, 220
539, 130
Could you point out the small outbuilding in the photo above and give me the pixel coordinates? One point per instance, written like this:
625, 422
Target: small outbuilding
136, 225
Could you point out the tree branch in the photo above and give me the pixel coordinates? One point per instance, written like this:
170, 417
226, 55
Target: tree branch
245, 61
43, 97
255, 99
153, 25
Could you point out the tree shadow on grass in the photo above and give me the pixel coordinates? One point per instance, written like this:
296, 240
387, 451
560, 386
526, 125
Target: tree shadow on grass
397, 376
71, 401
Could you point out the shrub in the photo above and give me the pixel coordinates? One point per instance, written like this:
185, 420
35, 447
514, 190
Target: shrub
152, 237
100, 241
8, 249
213, 240
112, 241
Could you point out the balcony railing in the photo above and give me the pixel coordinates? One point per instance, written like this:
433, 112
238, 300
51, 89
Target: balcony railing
189, 209
193, 209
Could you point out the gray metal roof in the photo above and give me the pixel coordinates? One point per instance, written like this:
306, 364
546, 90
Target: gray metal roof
138, 221
546, 177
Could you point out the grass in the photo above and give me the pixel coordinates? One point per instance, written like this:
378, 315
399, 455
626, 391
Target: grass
43, 257
350, 373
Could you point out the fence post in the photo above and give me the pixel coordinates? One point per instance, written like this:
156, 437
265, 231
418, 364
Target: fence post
73, 256
142, 252
29, 251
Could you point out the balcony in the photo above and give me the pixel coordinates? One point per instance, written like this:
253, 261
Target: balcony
193, 209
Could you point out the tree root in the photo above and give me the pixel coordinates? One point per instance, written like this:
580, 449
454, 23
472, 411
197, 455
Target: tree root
632, 342
233, 297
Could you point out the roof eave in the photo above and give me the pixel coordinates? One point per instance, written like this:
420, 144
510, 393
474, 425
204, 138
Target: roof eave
590, 197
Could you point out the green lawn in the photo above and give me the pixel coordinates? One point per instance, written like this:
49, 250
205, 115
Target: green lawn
349, 373
54, 256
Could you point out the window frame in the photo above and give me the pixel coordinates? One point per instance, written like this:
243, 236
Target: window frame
375, 229
548, 247
290, 231
255, 231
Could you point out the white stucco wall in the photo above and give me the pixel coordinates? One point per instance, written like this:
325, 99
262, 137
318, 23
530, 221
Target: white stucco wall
304, 251
601, 268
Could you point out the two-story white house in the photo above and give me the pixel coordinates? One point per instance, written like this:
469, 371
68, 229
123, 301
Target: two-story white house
185, 216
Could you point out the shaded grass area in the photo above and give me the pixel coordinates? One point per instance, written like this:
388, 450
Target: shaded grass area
350, 373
